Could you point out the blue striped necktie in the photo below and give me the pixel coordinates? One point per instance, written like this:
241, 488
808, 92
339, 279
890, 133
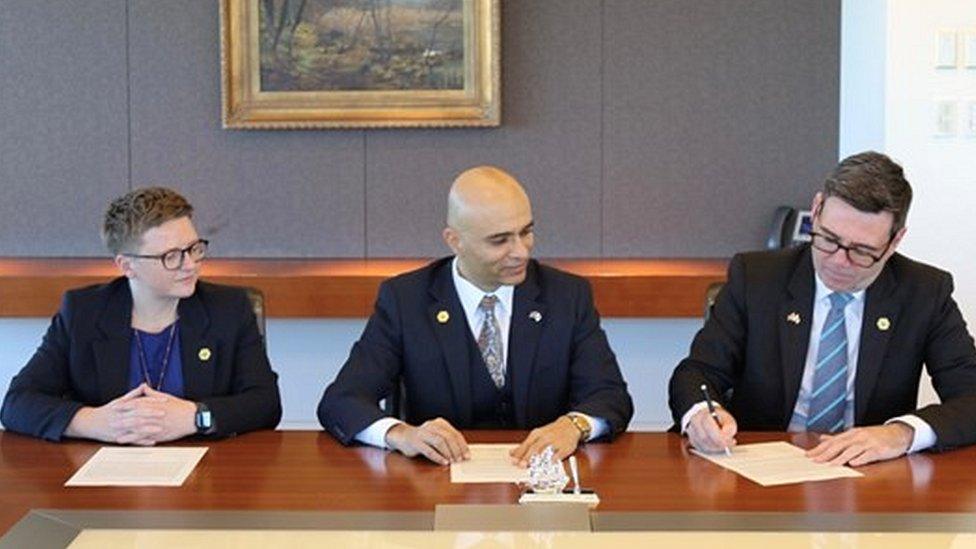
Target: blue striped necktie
829, 398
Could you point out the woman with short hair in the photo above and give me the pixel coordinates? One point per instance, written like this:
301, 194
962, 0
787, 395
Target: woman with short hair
154, 355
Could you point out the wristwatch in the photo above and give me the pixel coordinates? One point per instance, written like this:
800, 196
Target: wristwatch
580, 422
203, 419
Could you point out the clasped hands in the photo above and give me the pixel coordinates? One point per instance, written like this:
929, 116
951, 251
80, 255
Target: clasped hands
142, 417
440, 442
856, 446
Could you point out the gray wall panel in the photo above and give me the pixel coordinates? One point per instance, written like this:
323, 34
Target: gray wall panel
717, 111
640, 128
549, 140
62, 123
262, 193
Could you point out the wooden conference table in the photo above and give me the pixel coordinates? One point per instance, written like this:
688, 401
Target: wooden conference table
647, 473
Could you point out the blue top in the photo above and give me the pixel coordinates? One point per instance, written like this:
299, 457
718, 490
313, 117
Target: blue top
154, 346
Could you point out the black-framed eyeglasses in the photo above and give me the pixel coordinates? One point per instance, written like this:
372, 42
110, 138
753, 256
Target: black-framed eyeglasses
858, 256
173, 259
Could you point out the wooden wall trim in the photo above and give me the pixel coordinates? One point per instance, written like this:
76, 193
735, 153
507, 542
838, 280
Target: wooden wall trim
346, 288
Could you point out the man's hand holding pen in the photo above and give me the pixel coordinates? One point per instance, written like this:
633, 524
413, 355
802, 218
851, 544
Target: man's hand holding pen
712, 429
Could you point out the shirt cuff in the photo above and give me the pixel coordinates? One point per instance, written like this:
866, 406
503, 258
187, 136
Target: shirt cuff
924, 437
598, 426
686, 419
375, 434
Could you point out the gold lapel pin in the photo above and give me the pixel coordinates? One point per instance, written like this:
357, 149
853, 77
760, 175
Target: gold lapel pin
793, 318
443, 317
883, 324
535, 315
204, 354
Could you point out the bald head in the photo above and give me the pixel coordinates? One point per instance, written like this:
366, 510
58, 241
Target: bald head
482, 191
489, 227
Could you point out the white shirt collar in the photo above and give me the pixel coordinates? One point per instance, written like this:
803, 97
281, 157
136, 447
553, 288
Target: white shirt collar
823, 292
471, 295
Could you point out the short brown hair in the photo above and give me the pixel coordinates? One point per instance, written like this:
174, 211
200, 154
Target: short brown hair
129, 216
872, 183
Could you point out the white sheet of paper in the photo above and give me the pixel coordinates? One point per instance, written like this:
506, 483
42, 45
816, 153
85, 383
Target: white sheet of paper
775, 463
138, 467
488, 463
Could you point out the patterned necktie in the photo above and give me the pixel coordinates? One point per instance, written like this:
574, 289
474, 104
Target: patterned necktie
490, 341
829, 396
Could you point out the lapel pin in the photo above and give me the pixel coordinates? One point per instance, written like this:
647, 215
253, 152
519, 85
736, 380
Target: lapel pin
535, 315
793, 318
443, 317
883, 324
204, 354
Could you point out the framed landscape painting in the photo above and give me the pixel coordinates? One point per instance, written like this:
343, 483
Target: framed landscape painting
294, 64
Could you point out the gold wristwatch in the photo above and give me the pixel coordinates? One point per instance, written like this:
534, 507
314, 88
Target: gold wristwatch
580, 422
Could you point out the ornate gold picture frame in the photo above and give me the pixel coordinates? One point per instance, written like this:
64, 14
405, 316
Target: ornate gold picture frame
298, 64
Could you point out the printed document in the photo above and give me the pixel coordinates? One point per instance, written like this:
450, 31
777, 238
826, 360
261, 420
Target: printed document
488, 463
775, 463
138, 467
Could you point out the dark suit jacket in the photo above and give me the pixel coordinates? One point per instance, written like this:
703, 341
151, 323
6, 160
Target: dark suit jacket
558, 364
84, 361
749, 347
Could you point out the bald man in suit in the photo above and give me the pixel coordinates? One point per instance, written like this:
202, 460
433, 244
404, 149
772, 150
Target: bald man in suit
485, 339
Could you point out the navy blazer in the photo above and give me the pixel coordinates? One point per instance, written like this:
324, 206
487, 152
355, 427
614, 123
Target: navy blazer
84, 361
559, 363
750, 347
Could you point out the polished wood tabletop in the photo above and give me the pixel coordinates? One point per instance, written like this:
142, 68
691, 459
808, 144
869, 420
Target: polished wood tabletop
309, 471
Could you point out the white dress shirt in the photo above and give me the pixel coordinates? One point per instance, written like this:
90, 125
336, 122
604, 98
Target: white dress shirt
924, 436
470, 297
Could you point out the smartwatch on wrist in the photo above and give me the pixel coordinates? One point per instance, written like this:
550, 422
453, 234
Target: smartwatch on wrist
203, 419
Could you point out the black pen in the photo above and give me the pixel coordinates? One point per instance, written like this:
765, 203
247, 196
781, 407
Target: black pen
713, 413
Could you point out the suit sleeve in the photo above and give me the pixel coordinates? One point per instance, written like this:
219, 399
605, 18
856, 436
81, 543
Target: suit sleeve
598, 388
350, 403
254, 401
950, 359
39, 401
718, 350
